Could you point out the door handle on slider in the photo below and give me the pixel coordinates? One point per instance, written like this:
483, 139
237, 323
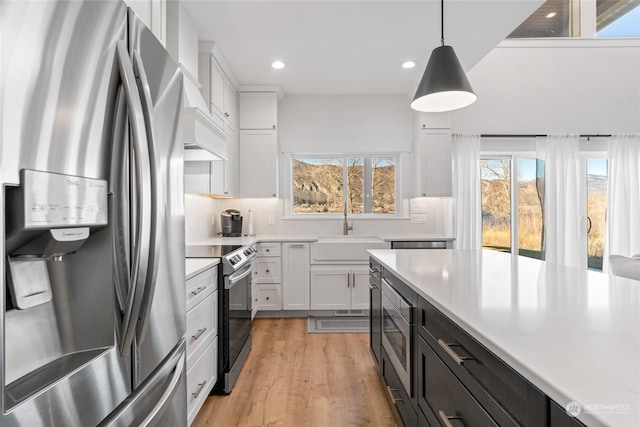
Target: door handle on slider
200, 332
196, 393
445, 418
455, 356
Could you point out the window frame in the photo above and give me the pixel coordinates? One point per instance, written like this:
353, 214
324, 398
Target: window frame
398, 214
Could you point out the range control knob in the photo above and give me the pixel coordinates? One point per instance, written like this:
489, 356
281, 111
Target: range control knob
232, 260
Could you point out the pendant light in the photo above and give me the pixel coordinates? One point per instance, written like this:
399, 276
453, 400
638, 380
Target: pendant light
444, 85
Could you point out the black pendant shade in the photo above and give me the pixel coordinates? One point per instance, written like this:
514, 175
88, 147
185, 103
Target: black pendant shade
444, 85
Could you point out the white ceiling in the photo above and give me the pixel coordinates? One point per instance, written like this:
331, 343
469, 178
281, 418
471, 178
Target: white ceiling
349, 47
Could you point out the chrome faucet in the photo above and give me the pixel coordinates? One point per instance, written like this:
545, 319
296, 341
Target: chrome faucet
345, 225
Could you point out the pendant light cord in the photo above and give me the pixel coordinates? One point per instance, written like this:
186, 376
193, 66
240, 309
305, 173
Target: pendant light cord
442, 22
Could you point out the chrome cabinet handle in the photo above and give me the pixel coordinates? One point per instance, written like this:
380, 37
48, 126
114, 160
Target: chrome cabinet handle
197, 291
196, 393
455, 356
297, 246
445, 418
199, 333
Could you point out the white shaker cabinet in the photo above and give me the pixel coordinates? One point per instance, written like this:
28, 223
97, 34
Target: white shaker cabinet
202, 337
339, 287
258, 110
295, 276
433, 163
258, 158
267, 275
206, 177
218, 87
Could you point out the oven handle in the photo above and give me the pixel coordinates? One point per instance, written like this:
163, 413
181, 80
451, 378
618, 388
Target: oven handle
238, 276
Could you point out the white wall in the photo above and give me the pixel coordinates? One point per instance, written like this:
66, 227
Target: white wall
558, 86
336, 124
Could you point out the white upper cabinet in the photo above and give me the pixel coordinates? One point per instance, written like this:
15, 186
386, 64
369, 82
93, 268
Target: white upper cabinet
258, 158
258, 110
433, 164
218, 87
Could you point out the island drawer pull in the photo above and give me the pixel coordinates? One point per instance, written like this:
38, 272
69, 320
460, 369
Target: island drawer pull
455, 356
445, 418
197, 291
196, 393
300, 245
200, 332
393, 398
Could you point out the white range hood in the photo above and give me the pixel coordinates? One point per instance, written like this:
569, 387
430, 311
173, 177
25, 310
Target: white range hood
201, 134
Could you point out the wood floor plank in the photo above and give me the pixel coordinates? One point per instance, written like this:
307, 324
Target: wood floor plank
292, 378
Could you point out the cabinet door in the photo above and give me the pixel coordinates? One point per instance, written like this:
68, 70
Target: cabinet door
330, 288
197, 177
217, 177
434, 164
258, 110
295, 276
216, 90
258, 158
360, 288
269, 297
230, 104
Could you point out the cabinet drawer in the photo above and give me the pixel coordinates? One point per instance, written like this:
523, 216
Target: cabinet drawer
202, 324
198, 287
397, 393
445, 396
269, 249
269, 297
200, 379
267, 270
505, 394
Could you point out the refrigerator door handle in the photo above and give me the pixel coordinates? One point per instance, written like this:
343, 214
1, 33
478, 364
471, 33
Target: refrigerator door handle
142, 199
156, 194
120, 244
169, 391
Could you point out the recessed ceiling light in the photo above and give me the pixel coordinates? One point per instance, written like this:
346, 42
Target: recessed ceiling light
408, 64
278, 65
550, 15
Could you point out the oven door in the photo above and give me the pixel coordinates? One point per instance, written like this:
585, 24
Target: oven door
237, 314
396, 340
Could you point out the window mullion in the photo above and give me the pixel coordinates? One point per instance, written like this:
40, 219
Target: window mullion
514, 206
368, 185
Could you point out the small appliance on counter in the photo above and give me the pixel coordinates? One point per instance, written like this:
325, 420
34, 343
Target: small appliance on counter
231, 221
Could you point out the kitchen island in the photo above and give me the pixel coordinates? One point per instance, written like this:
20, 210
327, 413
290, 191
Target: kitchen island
574, 334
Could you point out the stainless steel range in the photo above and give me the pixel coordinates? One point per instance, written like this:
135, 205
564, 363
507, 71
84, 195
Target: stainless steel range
234, 309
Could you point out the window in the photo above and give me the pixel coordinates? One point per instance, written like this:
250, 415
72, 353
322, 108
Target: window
562, 18
512, 198
324, 184
618, 18
596, 210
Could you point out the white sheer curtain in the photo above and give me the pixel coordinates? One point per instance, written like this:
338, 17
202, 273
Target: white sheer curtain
565, 197
466, 191
623, 206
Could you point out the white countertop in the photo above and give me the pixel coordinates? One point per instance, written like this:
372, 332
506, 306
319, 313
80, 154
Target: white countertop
575, 334
248, 240
195, 266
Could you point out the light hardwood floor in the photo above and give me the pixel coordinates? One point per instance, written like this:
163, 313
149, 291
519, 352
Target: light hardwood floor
292, 378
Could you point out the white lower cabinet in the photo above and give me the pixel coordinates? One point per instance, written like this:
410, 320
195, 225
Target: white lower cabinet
269, 296
200, 379
202, 338
339, 287
295, 276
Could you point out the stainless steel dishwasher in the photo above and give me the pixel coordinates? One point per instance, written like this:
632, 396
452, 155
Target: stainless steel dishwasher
433, 244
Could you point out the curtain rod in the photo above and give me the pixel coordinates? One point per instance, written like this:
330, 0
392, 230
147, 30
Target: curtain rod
501, 135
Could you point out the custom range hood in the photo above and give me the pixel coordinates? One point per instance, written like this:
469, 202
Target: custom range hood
203, 138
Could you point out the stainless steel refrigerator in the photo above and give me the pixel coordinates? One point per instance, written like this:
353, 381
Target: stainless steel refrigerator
92, 234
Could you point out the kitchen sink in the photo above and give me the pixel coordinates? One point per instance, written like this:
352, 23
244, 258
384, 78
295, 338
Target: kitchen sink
344, 248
